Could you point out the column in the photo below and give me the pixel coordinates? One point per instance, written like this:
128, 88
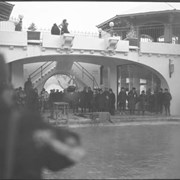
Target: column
64, 65
105, 76
167, 33
112, 78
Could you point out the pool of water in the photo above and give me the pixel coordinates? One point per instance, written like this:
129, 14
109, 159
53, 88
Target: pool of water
133, 151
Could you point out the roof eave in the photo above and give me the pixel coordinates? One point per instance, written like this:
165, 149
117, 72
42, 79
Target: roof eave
107, 21
137, 14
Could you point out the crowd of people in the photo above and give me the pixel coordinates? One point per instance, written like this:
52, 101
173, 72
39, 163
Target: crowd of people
96, 100
84, 101
151, 102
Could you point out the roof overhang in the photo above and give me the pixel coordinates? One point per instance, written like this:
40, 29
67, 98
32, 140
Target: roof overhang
5, 10
138, 14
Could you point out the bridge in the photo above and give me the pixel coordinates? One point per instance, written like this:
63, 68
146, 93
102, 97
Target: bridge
162, 59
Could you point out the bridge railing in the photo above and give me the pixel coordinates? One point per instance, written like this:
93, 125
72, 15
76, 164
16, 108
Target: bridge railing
76, 33
148, 33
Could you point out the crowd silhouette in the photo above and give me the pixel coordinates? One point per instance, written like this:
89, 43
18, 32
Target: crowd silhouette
97, 100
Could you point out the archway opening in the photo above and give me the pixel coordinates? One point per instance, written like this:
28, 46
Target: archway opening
140, 77
60, 82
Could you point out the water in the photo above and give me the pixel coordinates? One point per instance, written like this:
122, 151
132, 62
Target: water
127, 152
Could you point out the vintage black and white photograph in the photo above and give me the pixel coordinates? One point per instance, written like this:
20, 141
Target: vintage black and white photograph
89, 90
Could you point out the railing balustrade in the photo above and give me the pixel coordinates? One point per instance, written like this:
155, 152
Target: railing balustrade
87, 74
39, 72
145, 33
150, 33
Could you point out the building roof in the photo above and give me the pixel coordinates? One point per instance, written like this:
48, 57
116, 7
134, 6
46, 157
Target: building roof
5, 10
149, 8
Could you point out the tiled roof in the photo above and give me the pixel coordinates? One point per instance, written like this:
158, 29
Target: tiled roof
5, 10
147, 8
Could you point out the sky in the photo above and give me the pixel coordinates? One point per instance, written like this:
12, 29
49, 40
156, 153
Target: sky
81, 16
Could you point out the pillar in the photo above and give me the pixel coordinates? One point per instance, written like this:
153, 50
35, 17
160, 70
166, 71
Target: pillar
168, 33
64, 65
105, 76
112, 80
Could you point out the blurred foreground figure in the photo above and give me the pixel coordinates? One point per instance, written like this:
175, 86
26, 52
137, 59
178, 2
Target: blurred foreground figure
27, 143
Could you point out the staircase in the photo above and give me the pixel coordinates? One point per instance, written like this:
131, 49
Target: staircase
40, 73
82, 76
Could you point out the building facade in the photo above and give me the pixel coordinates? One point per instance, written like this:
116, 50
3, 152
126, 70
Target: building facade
140, 50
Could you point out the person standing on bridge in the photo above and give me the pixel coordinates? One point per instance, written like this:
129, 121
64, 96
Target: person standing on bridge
55, 29
64, 27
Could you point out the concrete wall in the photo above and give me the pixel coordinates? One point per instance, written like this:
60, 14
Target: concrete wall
7, 26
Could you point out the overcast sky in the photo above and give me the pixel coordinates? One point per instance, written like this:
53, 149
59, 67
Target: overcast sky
81, 16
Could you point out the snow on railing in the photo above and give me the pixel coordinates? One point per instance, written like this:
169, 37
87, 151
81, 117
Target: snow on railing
76, 33
10, 26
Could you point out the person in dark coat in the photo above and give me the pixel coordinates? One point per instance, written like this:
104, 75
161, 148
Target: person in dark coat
142, 102
160, 101
64, 27
132, 100
112, 102
121, 100
89, 99
55, 29
27, 143
106, 100
18, 26
83, 100
28, 86
101, 101
155, 105
94, 102
166, 101
32, 100
152, 102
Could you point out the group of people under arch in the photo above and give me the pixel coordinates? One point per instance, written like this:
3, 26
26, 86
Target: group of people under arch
153, 102
97, 100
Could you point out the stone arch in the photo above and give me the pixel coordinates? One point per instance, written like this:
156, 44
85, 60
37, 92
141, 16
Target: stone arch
99, 60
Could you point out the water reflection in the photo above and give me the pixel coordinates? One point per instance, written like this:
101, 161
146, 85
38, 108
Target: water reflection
127, 152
